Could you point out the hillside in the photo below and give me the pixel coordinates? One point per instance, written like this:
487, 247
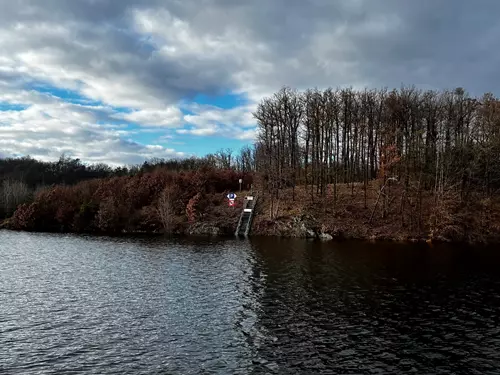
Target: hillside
403, 164
165, 202
161, 201
446, 220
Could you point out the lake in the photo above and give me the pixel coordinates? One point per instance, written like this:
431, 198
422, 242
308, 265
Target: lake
96, 305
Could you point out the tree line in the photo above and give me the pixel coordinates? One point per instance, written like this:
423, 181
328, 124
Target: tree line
156, 201
430, 154
439, 143
24, 180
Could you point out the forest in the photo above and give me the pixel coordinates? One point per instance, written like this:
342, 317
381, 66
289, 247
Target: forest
422, 163
157, 196
392, 164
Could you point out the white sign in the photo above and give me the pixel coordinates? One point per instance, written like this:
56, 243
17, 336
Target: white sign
241, 181
231, 196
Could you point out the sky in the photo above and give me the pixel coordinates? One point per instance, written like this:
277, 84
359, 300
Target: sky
123, 81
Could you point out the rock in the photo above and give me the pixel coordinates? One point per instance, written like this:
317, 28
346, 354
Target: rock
303, 226
204, 229
442, 239
310, 233
325, 237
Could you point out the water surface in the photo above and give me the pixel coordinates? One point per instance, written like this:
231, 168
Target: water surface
97, 305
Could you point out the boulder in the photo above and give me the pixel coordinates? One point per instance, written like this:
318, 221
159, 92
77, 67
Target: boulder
310, 233
204, 229
325, 237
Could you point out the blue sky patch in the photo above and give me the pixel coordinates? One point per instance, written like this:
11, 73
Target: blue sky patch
201, 146
69, 96
148, 135
4, 106
168, 137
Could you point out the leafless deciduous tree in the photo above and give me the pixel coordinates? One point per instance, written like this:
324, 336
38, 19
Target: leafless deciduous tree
12, 194
165, 207
424, 141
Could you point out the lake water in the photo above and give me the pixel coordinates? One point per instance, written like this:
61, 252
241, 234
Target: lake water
73, 304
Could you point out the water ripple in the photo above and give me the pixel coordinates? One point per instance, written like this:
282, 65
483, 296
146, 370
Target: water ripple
88, 305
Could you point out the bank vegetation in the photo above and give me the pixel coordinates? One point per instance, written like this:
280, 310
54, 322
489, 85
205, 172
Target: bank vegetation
402, 164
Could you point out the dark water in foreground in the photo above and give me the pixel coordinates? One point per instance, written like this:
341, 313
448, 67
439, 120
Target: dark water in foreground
73, 305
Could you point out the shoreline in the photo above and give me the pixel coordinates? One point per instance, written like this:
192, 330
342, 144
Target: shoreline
208, 215
317, 237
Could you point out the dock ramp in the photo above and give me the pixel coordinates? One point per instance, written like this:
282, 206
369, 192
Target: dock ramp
246, 217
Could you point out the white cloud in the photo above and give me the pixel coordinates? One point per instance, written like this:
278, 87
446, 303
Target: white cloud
169, 117
199, 131
247, 135
204, 115
47, 130
237, 123
149, 56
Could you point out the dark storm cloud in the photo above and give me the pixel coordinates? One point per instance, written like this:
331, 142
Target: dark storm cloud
442, 43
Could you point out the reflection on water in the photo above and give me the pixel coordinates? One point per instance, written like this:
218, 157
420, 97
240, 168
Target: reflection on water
210, 306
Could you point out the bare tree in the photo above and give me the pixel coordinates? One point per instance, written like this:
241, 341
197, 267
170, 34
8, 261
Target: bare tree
12, 194
165, 208
423, 142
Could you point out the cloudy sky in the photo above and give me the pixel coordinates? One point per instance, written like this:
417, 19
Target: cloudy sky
121, 81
